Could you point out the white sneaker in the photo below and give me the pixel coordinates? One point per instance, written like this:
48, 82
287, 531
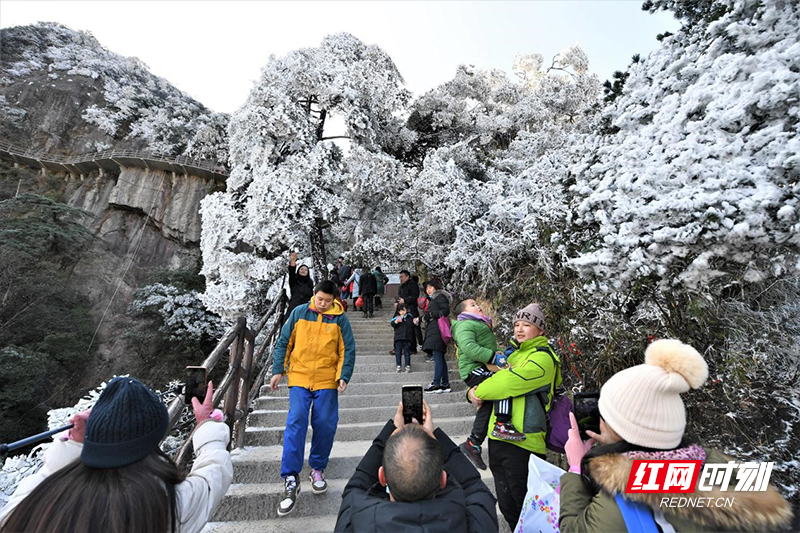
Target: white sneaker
399, 368
291, 488
318, 483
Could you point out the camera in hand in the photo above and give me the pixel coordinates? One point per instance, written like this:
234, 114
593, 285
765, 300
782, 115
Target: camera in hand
196, 382
587, 413
412, 403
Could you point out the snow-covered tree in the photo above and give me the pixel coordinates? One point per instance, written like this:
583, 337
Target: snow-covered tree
491, 192
699, 185
289, 181
134, 105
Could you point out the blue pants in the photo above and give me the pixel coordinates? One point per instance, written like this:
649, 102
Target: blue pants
324, 406
402, 348
440, 376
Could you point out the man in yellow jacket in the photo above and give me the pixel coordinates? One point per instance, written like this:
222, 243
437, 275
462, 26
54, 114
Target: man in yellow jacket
317, 351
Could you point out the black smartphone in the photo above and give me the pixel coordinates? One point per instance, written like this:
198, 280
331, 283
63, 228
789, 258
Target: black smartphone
196, 383
584, 405
412, 403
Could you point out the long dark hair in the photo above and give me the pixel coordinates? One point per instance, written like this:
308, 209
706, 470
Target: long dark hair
138, 498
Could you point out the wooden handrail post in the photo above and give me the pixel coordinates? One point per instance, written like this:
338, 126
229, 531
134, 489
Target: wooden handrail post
232, 395
243, 405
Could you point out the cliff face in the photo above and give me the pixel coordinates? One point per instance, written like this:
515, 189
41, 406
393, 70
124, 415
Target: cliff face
63, 94
144, 220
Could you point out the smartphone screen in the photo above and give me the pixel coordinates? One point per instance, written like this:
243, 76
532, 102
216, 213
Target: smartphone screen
584, 405
196, 382
412, 403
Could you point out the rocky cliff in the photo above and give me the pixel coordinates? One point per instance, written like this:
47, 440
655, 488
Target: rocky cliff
63, 94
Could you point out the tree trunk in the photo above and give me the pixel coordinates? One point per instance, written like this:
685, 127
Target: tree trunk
318, 252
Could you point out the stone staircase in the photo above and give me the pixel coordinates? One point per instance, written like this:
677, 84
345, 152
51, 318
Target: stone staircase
370, 400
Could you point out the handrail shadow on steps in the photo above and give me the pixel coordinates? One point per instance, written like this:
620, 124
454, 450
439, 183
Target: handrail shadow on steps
235, 387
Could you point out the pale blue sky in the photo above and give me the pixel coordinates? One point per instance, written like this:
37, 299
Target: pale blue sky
214, 50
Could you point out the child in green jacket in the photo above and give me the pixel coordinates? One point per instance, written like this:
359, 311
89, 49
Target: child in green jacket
476, 347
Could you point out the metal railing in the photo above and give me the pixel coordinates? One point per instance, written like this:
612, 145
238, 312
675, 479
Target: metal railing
235, 391
210, 166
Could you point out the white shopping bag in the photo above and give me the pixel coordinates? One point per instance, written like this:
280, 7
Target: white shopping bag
542, 504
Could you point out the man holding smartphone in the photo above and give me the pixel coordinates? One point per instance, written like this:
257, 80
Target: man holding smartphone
317, 351
415, 478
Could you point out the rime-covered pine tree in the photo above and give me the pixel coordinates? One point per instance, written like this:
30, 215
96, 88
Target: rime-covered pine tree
289, 181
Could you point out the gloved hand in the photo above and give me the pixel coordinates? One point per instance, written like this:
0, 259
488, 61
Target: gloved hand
500, 360
575, 448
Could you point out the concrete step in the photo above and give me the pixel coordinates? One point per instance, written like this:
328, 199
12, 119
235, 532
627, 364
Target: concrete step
280, 400
353, 415
259, 501
422, 376
388, 366
378, 387
287, 524
262, 464
267, 436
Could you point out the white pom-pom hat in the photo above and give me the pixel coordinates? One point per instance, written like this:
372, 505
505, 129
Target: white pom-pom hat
642, 404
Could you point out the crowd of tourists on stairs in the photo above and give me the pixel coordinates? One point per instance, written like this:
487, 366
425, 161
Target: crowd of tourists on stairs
108, 474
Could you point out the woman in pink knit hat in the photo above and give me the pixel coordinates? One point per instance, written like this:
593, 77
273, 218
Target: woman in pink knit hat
643, 417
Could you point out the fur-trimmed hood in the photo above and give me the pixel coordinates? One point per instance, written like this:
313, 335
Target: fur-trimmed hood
751, 511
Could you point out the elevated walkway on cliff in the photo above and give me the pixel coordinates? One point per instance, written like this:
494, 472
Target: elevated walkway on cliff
110, 160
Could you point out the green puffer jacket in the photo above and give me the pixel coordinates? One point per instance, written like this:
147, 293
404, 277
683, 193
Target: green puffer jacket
584, 510
475, 345
532, 374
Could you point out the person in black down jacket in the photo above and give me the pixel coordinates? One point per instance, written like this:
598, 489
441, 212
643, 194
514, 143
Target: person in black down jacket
369, 288
300, 284
432, 486
438, 307
408, 294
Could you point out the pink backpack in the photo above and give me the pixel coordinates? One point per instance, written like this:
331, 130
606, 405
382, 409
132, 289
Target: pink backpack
444, 329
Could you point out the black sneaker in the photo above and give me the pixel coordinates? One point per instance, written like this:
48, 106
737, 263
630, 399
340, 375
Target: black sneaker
318, 483
507, 431
473, 452
445, 388
433, 389
291, 488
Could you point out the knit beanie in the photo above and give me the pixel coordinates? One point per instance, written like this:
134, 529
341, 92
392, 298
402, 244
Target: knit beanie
126, 425
642, 404
532, 314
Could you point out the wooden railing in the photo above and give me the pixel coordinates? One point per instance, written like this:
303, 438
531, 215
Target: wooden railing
236, 388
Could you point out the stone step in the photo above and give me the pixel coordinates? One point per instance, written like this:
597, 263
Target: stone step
422, 376
259, 501
387, 387
353, 415
388, 366
262, 464
267, 436
287, 524
280, 400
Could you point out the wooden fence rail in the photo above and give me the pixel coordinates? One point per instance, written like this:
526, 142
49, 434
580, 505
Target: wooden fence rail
235, 391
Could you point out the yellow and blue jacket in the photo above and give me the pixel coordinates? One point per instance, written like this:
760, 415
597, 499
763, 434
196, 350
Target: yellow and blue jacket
316, 350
